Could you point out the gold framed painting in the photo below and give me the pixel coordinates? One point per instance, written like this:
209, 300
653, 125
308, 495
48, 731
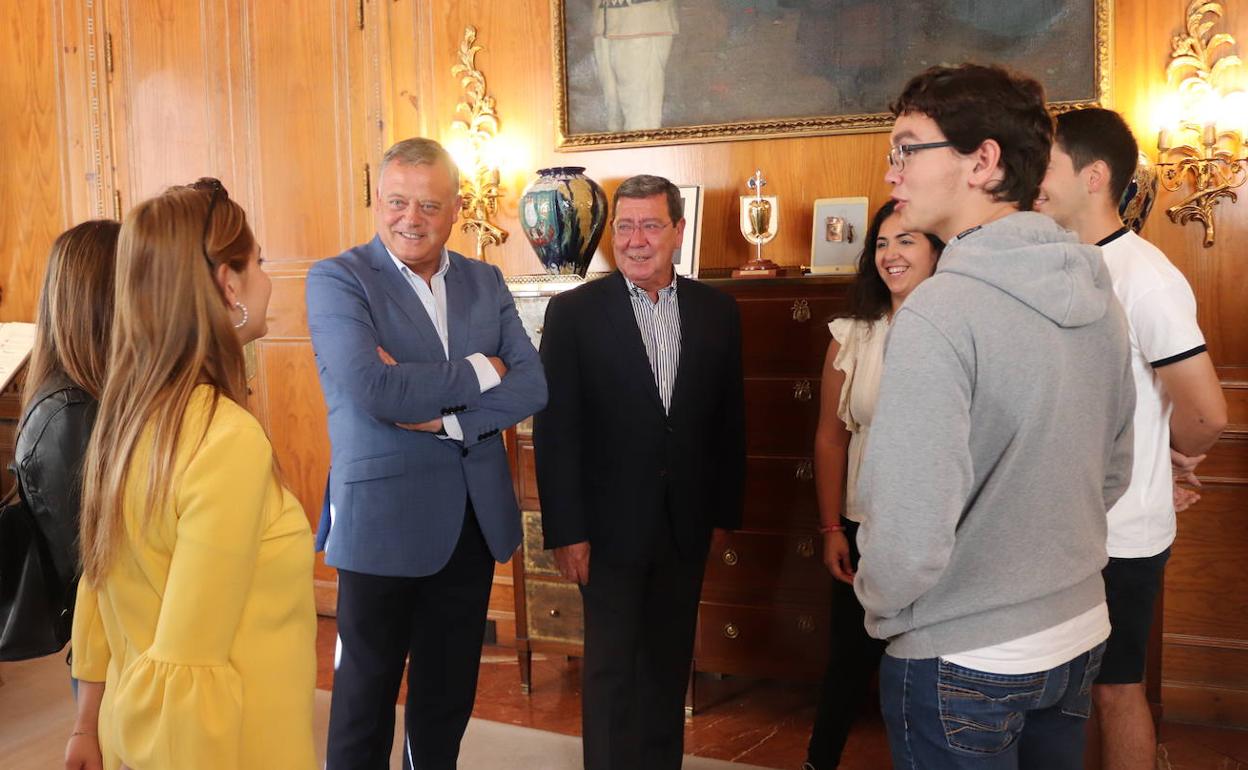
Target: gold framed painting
646, 72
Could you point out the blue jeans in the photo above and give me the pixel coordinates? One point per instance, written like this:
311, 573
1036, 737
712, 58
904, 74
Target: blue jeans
941, 715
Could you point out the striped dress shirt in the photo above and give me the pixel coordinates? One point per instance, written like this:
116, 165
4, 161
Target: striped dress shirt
659, 324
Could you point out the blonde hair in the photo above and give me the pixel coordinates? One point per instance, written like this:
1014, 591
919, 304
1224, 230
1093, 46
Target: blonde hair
75, 309
171, 333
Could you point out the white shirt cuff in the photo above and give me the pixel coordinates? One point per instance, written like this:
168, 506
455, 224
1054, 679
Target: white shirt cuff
450, 424
487, 375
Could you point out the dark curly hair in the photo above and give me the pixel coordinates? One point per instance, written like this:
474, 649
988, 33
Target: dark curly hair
869, 297
1097, 134
972, 103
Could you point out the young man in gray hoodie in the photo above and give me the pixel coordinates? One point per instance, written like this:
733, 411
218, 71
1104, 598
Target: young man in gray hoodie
1003, 434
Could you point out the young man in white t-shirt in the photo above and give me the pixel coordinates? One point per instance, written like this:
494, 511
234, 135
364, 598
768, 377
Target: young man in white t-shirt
1179, 406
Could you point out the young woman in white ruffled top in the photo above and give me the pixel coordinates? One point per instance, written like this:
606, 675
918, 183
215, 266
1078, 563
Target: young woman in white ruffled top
893, 262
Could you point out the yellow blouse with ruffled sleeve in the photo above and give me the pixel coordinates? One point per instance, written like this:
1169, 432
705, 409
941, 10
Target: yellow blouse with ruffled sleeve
204, 630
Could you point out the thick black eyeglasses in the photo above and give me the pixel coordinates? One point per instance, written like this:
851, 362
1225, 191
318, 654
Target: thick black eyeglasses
897, 155
216, 190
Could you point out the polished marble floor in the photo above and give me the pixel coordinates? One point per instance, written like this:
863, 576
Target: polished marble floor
756, 722
761, 723
751, 721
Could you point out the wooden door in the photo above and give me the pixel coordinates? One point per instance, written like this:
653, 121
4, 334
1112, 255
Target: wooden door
275, 100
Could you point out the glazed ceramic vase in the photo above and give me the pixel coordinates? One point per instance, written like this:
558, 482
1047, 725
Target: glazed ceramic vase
563, 213
1137, 200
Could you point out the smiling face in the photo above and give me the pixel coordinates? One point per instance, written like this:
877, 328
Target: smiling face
903, 258
645, 258
417, 206
1063, 193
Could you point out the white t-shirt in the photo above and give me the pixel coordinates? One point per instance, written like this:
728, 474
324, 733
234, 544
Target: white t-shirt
1042, 650
1161, 320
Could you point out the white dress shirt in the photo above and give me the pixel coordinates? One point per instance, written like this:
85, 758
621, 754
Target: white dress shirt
432, 297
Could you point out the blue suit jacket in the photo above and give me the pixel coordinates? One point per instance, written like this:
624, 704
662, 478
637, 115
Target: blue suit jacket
396, 498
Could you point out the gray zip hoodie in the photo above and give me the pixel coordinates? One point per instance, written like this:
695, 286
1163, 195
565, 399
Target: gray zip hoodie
1001, 437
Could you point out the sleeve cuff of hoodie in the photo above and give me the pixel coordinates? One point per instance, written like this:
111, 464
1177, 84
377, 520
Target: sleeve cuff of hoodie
487, 375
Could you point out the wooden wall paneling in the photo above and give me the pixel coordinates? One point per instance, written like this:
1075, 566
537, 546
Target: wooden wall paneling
309, 175
379, 75
32, 211
85, 132
1204, 578
408, 25
170, 90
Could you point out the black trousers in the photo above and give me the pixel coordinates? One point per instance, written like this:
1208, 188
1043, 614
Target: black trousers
640, 621
855, 656
436, 623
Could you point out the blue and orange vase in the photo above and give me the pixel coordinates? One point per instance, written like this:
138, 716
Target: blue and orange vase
563, 213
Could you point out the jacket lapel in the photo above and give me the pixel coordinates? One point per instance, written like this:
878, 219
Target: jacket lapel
402, 295
459, 301
691, 344
632, 349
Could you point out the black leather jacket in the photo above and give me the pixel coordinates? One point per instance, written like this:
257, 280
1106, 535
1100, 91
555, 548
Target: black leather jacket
51, 446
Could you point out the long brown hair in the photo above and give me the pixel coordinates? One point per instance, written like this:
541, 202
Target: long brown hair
75, 310
172, 332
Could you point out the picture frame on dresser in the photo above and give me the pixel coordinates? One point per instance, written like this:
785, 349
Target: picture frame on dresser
840, 62
838, 227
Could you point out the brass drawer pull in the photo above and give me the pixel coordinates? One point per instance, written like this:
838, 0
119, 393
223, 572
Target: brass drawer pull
801, 390
731, 631
805, 624
805, 470
806, 547
554, 612
801, 311
730, 557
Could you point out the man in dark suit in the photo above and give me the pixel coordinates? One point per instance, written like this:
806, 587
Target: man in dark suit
640, 457
423, 361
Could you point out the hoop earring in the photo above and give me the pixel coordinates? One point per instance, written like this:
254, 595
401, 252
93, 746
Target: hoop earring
243, 309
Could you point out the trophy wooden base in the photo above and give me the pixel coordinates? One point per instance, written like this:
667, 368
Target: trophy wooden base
764, 268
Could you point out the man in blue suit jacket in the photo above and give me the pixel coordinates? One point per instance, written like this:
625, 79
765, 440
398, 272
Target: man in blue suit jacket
423, 362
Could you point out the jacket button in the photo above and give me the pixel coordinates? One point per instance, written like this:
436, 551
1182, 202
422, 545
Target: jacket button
663, 473
464, 452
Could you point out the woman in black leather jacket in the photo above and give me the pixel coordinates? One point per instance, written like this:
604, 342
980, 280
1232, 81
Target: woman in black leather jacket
64, 378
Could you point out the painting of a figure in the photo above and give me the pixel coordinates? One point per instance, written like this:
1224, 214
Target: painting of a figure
654, 71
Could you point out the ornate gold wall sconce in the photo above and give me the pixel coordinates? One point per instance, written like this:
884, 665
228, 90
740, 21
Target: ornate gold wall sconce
1201, 144
473, 147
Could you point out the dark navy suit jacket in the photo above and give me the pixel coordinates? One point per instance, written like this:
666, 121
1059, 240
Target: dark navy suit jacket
396, 498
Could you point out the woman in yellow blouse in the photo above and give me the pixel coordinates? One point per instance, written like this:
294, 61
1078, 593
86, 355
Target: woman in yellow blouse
195, 631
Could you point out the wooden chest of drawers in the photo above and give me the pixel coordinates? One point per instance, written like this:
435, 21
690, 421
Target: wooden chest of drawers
766, 596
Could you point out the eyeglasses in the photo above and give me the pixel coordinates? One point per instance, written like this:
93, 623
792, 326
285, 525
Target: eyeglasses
627, 227
216, 191
897, 155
